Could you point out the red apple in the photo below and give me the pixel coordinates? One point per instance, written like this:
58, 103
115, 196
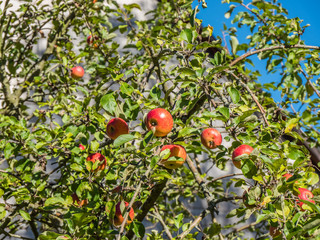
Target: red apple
91, 40
77, 202
117, 127
98, 157
274, 231
175, 151
82, 147
159, 121
77, 72
211, 138
118, 218
242, 149
304, 194
287, 176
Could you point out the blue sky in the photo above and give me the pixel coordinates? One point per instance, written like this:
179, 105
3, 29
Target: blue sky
308, 11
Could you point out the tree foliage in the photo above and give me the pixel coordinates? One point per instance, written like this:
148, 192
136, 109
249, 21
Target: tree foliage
170, 61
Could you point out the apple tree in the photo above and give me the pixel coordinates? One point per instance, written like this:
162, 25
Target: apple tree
118, 127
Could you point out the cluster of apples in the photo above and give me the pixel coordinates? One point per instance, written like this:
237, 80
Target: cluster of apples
160, 122
303, 194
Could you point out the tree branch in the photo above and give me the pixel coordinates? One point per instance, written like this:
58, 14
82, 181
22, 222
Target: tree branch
248, 54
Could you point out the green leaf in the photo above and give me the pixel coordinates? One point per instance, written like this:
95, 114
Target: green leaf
54, 201
193, 16
313, 223
108, 103
165, 153
122, 139
234, 44
188, 35
155, 92
147, 139
83, 188
131, 6
8, 150
48, 236
154, 161
248, 168
76, 167
213, 229
25, 215
138, 229
94, 145
82, 89
126, 88
224, 111
186, 72
178, 220
232, 213
187, 131
234, 94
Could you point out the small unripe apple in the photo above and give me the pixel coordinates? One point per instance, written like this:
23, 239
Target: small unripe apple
77, 202
175, 151
77, 72
304, 194
274, 231
159, 121
91, 40
117, 127
98, 157
211, 138
118, 218
242, 149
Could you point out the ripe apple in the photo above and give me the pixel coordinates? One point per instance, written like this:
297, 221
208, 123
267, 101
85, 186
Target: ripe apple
91, 40
287, 176
175, 151
274, 231
82, 147
118, 218
159, 121
98, 157
242, 149
304, 194
77, 72
117, 127
77, 202
211, 138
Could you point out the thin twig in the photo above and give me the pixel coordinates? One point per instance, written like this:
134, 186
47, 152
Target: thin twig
242, 228
164, 225
248, 54
225, 176
253, 97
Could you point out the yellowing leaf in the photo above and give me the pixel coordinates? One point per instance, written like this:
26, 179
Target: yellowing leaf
291, 124
266, 200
